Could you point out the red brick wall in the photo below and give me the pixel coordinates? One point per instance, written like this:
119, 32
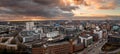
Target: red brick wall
38, 50
78, 47
60, 49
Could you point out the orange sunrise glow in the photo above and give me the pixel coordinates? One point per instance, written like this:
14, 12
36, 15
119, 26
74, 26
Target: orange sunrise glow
48, 9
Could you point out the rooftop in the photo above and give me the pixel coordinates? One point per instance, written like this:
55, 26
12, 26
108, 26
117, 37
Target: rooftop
86, 36
28, 33
115, 35
57, 43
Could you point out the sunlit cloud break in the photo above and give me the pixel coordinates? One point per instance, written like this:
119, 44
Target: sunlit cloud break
93, 7
59, 8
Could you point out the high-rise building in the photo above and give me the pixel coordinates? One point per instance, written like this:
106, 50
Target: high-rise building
29, 25
81, 27
99, 32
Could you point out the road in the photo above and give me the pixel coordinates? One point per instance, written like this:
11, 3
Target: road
94, 48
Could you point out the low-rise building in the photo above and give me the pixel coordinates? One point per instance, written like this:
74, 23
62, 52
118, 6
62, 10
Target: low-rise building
86, 40
5, 43
54, 35
29, 36
38, 50
114, 38
59, 47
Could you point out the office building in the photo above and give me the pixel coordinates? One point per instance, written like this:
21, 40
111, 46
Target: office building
29, 25
86, 40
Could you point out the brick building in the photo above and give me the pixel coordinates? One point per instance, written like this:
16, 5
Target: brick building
54, 48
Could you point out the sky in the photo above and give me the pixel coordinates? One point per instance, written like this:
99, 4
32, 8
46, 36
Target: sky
99, 8
48, 9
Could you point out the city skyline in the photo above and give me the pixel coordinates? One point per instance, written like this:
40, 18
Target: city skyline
59, 26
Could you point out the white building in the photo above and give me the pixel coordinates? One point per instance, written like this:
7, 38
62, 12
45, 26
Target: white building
88, 25
39, 30
86, 40
29, 25
99, 32
70, 27
93, 26
52, 34
81, 27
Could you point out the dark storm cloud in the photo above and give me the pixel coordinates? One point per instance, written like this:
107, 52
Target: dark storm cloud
47, 2
45, 8
49, 8
69, 8
7, 2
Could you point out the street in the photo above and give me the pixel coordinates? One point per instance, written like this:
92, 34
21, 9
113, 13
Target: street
94, 48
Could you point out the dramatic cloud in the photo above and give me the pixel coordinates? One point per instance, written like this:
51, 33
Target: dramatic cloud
52, 8
102, 4
45, 8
